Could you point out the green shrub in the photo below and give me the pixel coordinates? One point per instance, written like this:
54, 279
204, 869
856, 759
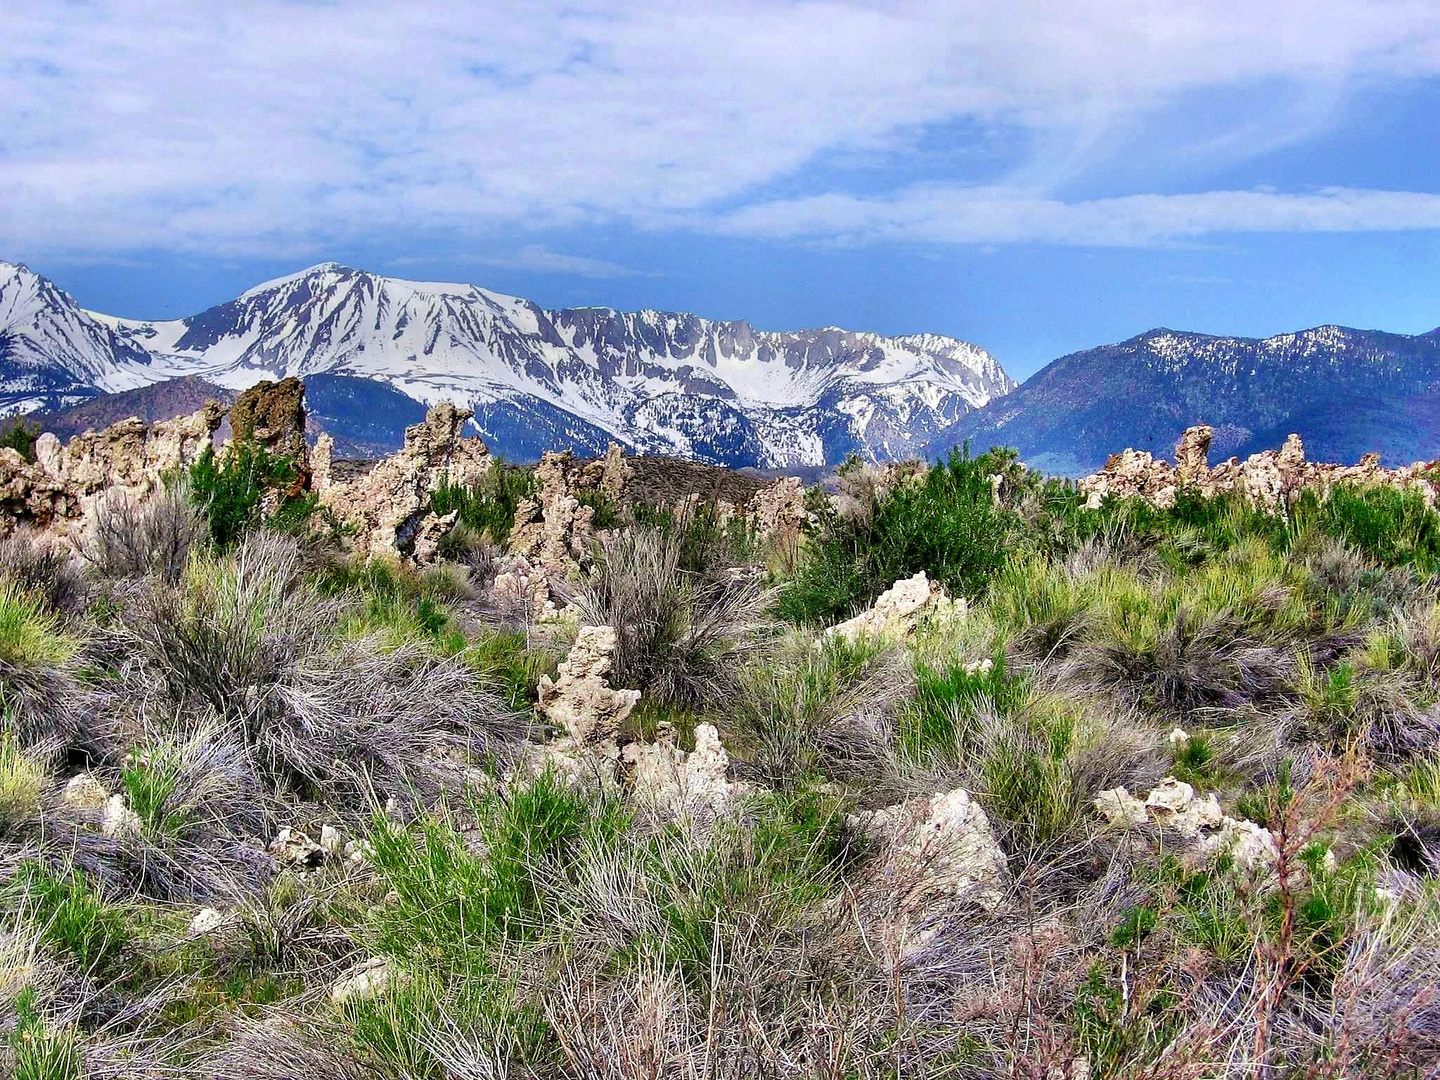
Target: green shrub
20, 436
1388, 526
487, 508
231, 488
946, 523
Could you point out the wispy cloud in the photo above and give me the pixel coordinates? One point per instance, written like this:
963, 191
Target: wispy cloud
275, 127
540, 260
993, 216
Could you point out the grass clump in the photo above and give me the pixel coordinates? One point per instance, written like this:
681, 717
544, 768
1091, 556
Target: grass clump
30, 636
682, 634
39, 1050
22, 781
69, 915
946, 523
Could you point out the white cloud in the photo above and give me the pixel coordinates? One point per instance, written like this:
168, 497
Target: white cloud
269, 127
541, 260
989, 216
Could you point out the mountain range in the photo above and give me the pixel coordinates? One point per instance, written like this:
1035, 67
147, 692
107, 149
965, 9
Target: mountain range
657, 382
374, 351
1346, 392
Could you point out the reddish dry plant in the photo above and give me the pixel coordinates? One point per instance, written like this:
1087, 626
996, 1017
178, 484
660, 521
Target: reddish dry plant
1295, 823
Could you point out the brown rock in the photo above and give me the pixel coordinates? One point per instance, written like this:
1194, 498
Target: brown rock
272, 415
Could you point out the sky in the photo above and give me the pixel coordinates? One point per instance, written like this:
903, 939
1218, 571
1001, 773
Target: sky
1035, 176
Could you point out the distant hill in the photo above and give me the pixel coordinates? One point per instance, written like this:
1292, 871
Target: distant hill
160, 401
1347, 392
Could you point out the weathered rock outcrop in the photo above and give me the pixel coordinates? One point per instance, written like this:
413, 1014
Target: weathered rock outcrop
63, 483
694, 786
777, 512
1270, 480
554, 530
272, 415
1174, 808
580, 701
900, 609
389, 507
936, 855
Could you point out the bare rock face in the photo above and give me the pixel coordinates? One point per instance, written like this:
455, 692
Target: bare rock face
936, 855
777, 512
580, 699
84, 792
367, 980
695, 787
273, 416
1192, 454
1270, 480
524, 586
610, 475
900, 609
390, 506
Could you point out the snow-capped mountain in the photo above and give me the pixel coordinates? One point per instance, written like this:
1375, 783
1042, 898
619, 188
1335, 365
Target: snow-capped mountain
53, 353
660, 382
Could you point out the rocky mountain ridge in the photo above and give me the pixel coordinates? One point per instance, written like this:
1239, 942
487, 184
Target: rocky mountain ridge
1347, 392
658, 382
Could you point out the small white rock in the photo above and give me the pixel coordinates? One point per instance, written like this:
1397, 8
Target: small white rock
84, 792
294, 847
208, 920
366, 981
1179, 737
331, 841
1119, 807
119, 820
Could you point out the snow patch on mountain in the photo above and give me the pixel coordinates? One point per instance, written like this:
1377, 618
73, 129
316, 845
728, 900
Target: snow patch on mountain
662, 382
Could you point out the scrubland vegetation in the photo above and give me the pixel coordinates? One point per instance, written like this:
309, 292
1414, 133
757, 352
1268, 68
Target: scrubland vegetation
220, 664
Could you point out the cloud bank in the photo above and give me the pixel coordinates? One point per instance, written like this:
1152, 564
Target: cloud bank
267, 128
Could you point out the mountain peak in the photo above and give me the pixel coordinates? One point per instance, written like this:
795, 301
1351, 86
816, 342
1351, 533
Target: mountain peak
656, 381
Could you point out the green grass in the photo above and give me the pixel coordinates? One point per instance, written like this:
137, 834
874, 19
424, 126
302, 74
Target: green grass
30, 636
947, 525
40, 1051
68, 913
949, 704
149, 780
503, 656
22, 781
456, 909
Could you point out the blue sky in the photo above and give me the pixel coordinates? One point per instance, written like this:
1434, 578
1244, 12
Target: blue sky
1033, 176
